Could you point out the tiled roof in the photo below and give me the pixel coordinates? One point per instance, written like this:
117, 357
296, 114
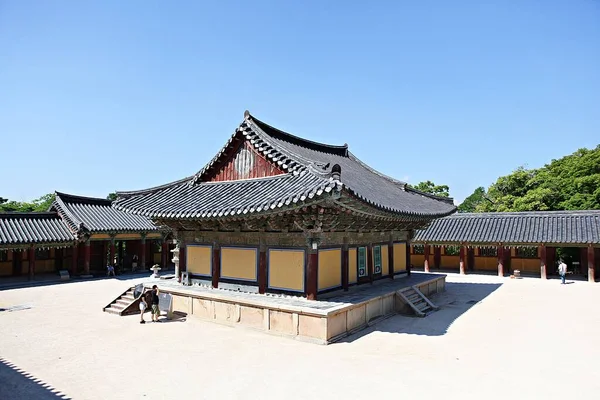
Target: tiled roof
97, 215
216, 199
535, 227
33, 228
306, 163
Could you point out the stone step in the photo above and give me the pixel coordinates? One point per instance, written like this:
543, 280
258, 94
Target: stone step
117, 306
128, 297
111, 310
124, 302
423, 306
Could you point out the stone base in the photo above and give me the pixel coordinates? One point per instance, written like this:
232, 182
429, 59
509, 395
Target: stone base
320, 325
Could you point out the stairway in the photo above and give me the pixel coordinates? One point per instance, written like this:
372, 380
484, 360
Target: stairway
125, 304
420, 305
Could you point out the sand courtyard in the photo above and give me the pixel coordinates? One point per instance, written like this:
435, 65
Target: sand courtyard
493, 338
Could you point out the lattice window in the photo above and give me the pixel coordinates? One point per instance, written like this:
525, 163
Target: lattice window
376, 259
488, 251
362, 262
3, 255
527, 252
42, 254
418, 249
451, 250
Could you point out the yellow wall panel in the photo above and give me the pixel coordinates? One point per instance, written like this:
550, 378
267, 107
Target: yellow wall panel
352, 267
450, 261
6, 268
418, 260
239, 263
198, 259
399, 257
486, 263
286, 269
531, 265
330, 268
385, 269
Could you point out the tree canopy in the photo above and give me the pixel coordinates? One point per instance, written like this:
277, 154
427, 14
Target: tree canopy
40, 204
430, 187
569, 183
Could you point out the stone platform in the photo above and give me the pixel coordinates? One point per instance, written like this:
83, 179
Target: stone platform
323, 321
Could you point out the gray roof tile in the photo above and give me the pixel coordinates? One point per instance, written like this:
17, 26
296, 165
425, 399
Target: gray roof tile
308, 165
535, 227
33, 228
97, 215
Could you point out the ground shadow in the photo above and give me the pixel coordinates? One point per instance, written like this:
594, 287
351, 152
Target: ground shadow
454, 302
16, 384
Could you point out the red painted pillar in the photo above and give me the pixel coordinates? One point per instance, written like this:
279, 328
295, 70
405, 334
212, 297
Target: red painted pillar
262, 269
591, 264
426, 258
74, 258
31, 259
163, 254
500, 255
87, 254
461, 260
391, 258
370, 262
182, 253
216, 266
345, 265
312, 274
112, 252
543, 273
143, 253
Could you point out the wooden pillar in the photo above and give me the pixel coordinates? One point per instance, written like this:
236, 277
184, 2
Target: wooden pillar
312, 273
461, 260
163, 254
391, 258
31, 259
345, 265
437, 257
87, 253
182, 258
543, 273
74, 258
426, 258
370, 262
591, 264
143, 253
216, 265
262, 269
112, 252
500, 255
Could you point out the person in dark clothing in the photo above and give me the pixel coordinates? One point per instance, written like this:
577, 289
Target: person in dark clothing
154, 302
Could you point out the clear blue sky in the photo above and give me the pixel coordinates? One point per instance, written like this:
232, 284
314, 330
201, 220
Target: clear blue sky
122, 95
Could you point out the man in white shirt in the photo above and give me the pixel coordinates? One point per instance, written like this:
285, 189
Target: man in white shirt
562, 271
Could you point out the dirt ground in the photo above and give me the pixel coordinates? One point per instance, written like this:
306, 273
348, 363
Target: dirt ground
492, 338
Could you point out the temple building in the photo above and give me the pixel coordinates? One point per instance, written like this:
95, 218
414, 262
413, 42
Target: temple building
528, 242
81, 235
272, 212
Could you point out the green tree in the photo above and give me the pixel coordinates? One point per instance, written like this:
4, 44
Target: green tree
112, 196
432, 188
471, 203
42, 203
569, 183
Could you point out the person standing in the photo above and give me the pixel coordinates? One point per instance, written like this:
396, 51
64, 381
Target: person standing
562, 271
143, 306
155, 309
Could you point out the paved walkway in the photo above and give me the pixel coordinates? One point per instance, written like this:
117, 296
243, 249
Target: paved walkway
493, 338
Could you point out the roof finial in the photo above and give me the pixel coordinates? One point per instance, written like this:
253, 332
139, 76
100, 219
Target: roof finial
246, 114
336, 172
